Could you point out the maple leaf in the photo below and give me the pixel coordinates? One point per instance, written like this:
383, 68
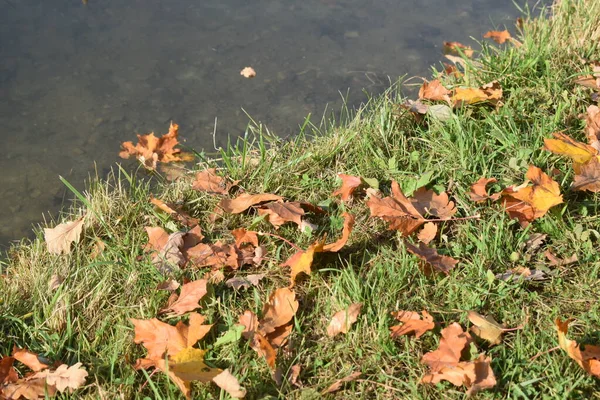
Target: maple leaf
557, 262
151, 150
278, 213
349, 185
302, 261
562, 144
279, 310
64, 377
491, 93
588, 177
478, 191
457, 48
343, 320
229, 383
428, 202
337, 245
454, 340
158, 337
531, 202
498, 36
439, 263
245, 201
30, 388
398, 210
178, 214
588, 358
242, 236
477, 375
248, 72
412, 322
191, 293
59, 238
28, 358
209, 181
428, 233
435, 91
337, 385
592, 124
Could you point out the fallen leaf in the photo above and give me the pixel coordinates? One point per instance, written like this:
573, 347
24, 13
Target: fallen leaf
55, 282
209, 181
245, 201
29, 388
558, 262
475, 375
562, 144
171, 285
588, 358
279, 310
534, 241
242, 236
439, 263
456, 48
428, 202
526, 274
278, 213
294, 374
302, 261
248, 72
428, 233
398, 210
8, 374
64, 377
245, 281
592, 124
498, 36
215, 255
434, 91
337, 385
28, 358
478, 191
174, 212
170, 257
229, 383
59, 238
486, 327
343, 320
337, 245
588, 177
151, 150
190, 295
454, 340
491, 93
412, 322
349, 185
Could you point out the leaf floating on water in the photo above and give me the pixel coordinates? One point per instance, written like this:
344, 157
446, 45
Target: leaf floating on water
248, 72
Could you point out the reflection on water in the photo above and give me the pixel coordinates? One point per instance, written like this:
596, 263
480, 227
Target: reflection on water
77, 80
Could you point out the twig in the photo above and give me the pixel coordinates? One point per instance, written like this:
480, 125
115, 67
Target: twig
280, 238
476, 216
544, 352
380, 384
145, 383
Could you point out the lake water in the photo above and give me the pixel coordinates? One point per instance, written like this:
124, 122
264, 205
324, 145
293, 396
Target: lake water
76, 80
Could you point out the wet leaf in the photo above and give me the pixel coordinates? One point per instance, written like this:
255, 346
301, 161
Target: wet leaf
412, 323
59, 238
248, 72
343, 320
498, 36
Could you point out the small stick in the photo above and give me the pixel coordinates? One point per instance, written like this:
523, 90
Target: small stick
280, 238
544, 352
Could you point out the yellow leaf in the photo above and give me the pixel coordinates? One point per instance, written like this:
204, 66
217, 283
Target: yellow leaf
562, 144
189, 365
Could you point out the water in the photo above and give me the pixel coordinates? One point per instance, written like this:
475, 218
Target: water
76, 80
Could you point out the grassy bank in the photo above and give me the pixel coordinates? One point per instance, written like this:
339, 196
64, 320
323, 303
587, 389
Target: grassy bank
86, 318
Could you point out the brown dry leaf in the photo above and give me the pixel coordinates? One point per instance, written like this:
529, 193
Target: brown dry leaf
412, 322
592, 125
151, 150
55, 282
177, 214
532, 202
8, 374
558, 262
428, 202
486, 327
294, 374
498, 36
248, 72
588, 358
476, 375
209, 181
398, 210
229, 383
245, 201
171, 285
64, 377
588, 177
28, 358
242, 236
173, 172
59, 238
337, 385
216, 255
349, 185
245, 281
348, 225
278, 213
491, 93
190, 295
279, 310
29, 388
158, 337
157, 238
302, 261
478, 191
428, 233
439, 263
169, 258
434, 91
454, 340
455, 48
343, 320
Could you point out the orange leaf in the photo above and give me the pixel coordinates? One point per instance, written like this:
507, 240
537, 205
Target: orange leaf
242, 236
455, 48
588, 177
434, 90
592, 125
428, 233
337, 245
191, 293
209, 181
588, 358
302, 261
343, 320
245, 201
439, 263
498, 36
28, 358
486, 327
397, 210
476, 375
178, 214
349, 185
279, 310
412, 322
478, 191
454, 340
28, 388
278, 213
8, 374
428, 202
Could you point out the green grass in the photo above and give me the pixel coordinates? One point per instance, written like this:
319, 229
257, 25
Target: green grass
86, 318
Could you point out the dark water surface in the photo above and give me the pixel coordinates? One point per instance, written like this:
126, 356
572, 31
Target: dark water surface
76, 80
